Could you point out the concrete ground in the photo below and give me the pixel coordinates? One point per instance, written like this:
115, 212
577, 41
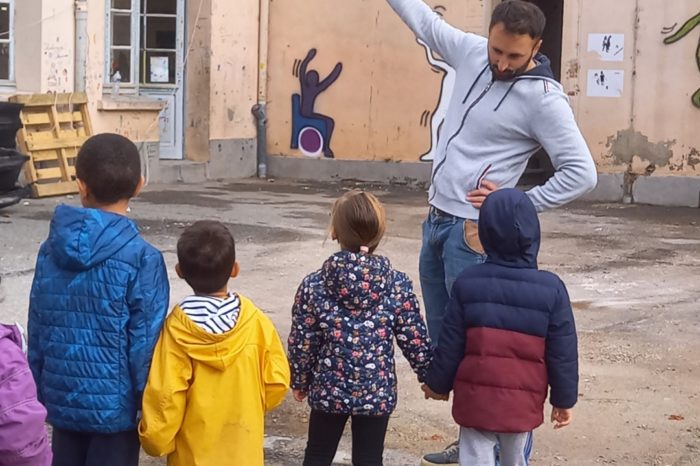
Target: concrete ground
632, 273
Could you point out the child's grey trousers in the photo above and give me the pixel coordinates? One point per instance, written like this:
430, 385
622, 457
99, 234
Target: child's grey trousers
478, 448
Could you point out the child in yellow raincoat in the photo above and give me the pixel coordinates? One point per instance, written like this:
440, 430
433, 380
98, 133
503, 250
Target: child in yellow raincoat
218, 367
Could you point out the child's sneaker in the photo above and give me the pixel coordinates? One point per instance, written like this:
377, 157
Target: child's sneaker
447, 457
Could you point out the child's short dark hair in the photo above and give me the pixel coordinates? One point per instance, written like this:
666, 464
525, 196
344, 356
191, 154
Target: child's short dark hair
110, 166
206, 253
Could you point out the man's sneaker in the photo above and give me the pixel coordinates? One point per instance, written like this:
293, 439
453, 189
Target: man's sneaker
447, 457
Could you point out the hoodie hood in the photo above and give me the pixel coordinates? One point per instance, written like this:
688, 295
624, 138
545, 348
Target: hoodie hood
509, 229
81, 238
360, 280
213, 315
14, 334
542, 69
217, 350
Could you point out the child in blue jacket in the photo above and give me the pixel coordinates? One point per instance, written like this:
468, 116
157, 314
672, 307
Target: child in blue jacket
98, 301
509, 335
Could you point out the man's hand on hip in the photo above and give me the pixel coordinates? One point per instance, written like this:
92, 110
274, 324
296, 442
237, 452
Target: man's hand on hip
478, 196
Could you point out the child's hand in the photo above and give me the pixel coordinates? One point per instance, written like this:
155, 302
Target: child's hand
430, 394
561, 417
299, 395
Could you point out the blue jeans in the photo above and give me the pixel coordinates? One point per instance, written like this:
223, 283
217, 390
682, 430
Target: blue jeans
443, 257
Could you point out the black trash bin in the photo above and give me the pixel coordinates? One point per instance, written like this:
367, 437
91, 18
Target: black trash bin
11, 163
10, 122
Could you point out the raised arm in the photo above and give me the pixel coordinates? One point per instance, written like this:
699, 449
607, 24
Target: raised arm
305, 64
449, 42
323, 85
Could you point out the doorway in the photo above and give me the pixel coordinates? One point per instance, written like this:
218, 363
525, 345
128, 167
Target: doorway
161, 50
539, 168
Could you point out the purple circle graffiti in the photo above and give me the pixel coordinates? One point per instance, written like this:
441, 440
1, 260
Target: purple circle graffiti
310, 142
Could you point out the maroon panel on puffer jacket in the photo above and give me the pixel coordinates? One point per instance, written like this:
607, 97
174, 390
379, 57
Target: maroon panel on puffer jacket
501, 384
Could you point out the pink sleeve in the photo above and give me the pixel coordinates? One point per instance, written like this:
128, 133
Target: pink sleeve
23, 436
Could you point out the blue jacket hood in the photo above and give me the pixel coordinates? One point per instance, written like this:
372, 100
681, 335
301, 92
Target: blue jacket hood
359, 278
81, 238
509, 229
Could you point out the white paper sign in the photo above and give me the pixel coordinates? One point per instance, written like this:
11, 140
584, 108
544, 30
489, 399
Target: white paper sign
160, 72
610, 47
605, 83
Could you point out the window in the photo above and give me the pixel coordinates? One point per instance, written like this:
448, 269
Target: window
6, 40
143, 42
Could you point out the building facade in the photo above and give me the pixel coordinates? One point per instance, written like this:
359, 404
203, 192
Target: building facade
345, 90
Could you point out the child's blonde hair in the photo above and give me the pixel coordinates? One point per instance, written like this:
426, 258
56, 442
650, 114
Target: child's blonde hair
357, 220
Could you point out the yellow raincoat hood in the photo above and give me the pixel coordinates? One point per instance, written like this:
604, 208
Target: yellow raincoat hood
207, 394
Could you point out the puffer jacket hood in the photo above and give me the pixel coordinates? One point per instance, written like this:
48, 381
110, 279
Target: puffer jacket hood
359, 279
80, 238
509, 229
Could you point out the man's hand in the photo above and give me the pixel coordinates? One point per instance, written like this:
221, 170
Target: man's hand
561, 417
299, 395
430, 394
478, 196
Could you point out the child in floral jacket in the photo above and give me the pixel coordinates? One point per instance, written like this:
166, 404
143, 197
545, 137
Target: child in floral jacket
345, 318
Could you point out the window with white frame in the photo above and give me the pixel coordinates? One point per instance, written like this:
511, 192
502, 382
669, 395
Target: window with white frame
142, 38
6, 40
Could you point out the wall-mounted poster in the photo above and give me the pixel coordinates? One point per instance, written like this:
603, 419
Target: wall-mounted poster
160, 70
605, 83
610, 47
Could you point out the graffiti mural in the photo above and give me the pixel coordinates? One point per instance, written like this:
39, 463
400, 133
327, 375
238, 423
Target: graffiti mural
437, 116
311, 131
679, 34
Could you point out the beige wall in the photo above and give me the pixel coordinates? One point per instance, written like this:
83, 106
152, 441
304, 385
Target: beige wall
57, 45
234, 65
27, 47
386, 83
653, 127
44, 42
197, 81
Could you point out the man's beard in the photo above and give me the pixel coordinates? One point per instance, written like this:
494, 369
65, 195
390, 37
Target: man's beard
510, 74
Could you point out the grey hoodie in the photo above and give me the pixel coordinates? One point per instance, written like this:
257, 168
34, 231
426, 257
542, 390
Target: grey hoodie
493, 127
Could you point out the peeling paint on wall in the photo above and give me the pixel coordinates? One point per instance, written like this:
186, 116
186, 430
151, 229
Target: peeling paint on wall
691, 159
628, 143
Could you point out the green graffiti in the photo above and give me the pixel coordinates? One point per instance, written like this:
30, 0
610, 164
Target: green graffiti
682, 32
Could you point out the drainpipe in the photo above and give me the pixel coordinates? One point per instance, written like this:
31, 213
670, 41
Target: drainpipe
81, 44
260, 109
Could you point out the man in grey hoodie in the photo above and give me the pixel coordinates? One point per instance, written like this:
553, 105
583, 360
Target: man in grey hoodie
505, 106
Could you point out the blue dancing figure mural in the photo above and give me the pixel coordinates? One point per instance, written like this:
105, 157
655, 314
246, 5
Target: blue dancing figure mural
312, 131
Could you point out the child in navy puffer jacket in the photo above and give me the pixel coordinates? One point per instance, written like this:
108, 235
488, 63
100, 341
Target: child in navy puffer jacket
345, 318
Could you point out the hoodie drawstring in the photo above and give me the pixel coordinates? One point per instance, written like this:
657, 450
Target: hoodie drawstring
510, 88
474, 83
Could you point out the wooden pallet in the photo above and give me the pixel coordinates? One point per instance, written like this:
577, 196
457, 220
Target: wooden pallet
55, 126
